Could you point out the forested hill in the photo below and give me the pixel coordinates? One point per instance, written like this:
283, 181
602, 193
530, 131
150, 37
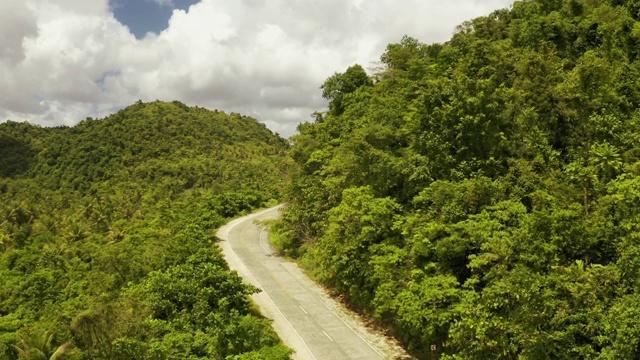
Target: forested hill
483, 195
106, 235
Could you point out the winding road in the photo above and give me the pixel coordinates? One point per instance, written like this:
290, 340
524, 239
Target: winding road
306, 319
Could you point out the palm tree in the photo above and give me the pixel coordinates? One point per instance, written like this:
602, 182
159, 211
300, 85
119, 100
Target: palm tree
39, 346
606, 160
75, 232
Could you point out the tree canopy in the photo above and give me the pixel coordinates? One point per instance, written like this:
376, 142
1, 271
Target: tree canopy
107, 246
482, 195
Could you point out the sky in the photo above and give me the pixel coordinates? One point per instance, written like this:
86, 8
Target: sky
62, 61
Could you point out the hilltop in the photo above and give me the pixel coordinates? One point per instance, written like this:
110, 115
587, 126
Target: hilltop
106, 235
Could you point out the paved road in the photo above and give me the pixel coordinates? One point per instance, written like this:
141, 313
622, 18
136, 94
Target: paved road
303, 317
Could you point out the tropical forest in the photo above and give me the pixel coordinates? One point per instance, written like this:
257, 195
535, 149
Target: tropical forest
106, 235
483, 195
479, 196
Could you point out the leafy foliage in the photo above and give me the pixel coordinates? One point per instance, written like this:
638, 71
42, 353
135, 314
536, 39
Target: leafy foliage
106, 235
482, 195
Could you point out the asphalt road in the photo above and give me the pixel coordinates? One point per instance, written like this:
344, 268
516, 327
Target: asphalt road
303, 316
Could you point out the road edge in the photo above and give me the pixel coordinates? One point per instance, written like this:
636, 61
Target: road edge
386, 346
268, 309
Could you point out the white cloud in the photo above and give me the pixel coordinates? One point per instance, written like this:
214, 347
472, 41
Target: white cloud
64, 60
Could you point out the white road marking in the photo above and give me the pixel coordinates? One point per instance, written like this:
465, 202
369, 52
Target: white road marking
224, 232
269, 297
303, 310
327, 335
321, 301
262, 244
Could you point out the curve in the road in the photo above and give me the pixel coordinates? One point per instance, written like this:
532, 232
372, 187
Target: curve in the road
300, 314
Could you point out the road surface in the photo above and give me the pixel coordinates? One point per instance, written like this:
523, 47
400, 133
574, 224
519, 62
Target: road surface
306, 319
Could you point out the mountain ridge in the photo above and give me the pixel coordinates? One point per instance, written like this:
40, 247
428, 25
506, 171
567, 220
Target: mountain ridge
107, 248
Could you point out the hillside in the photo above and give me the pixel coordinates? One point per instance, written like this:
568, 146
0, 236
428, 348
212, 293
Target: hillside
106, 235
482, 195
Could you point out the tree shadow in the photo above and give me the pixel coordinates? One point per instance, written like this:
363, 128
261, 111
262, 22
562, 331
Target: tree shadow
15, 156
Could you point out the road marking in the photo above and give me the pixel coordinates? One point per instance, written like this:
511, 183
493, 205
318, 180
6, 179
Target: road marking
273, 276
292, 328
327, 335
261, 244
226, 231
303, 310
264, 292
322, 302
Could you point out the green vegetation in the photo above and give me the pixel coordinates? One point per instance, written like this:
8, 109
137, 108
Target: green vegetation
106, 235
483, 195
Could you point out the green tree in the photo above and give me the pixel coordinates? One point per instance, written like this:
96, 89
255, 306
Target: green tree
40, 346
337, 86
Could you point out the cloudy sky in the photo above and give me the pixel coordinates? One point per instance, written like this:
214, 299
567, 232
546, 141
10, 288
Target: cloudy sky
64, 60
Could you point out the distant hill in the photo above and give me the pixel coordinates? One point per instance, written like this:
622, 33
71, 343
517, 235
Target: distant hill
106, 235
482, 195
193, 144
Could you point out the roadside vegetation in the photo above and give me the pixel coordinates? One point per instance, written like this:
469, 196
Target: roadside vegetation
483, 195
106, 235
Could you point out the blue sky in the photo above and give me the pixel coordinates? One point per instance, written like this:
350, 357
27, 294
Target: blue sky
62, 61
142, 16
